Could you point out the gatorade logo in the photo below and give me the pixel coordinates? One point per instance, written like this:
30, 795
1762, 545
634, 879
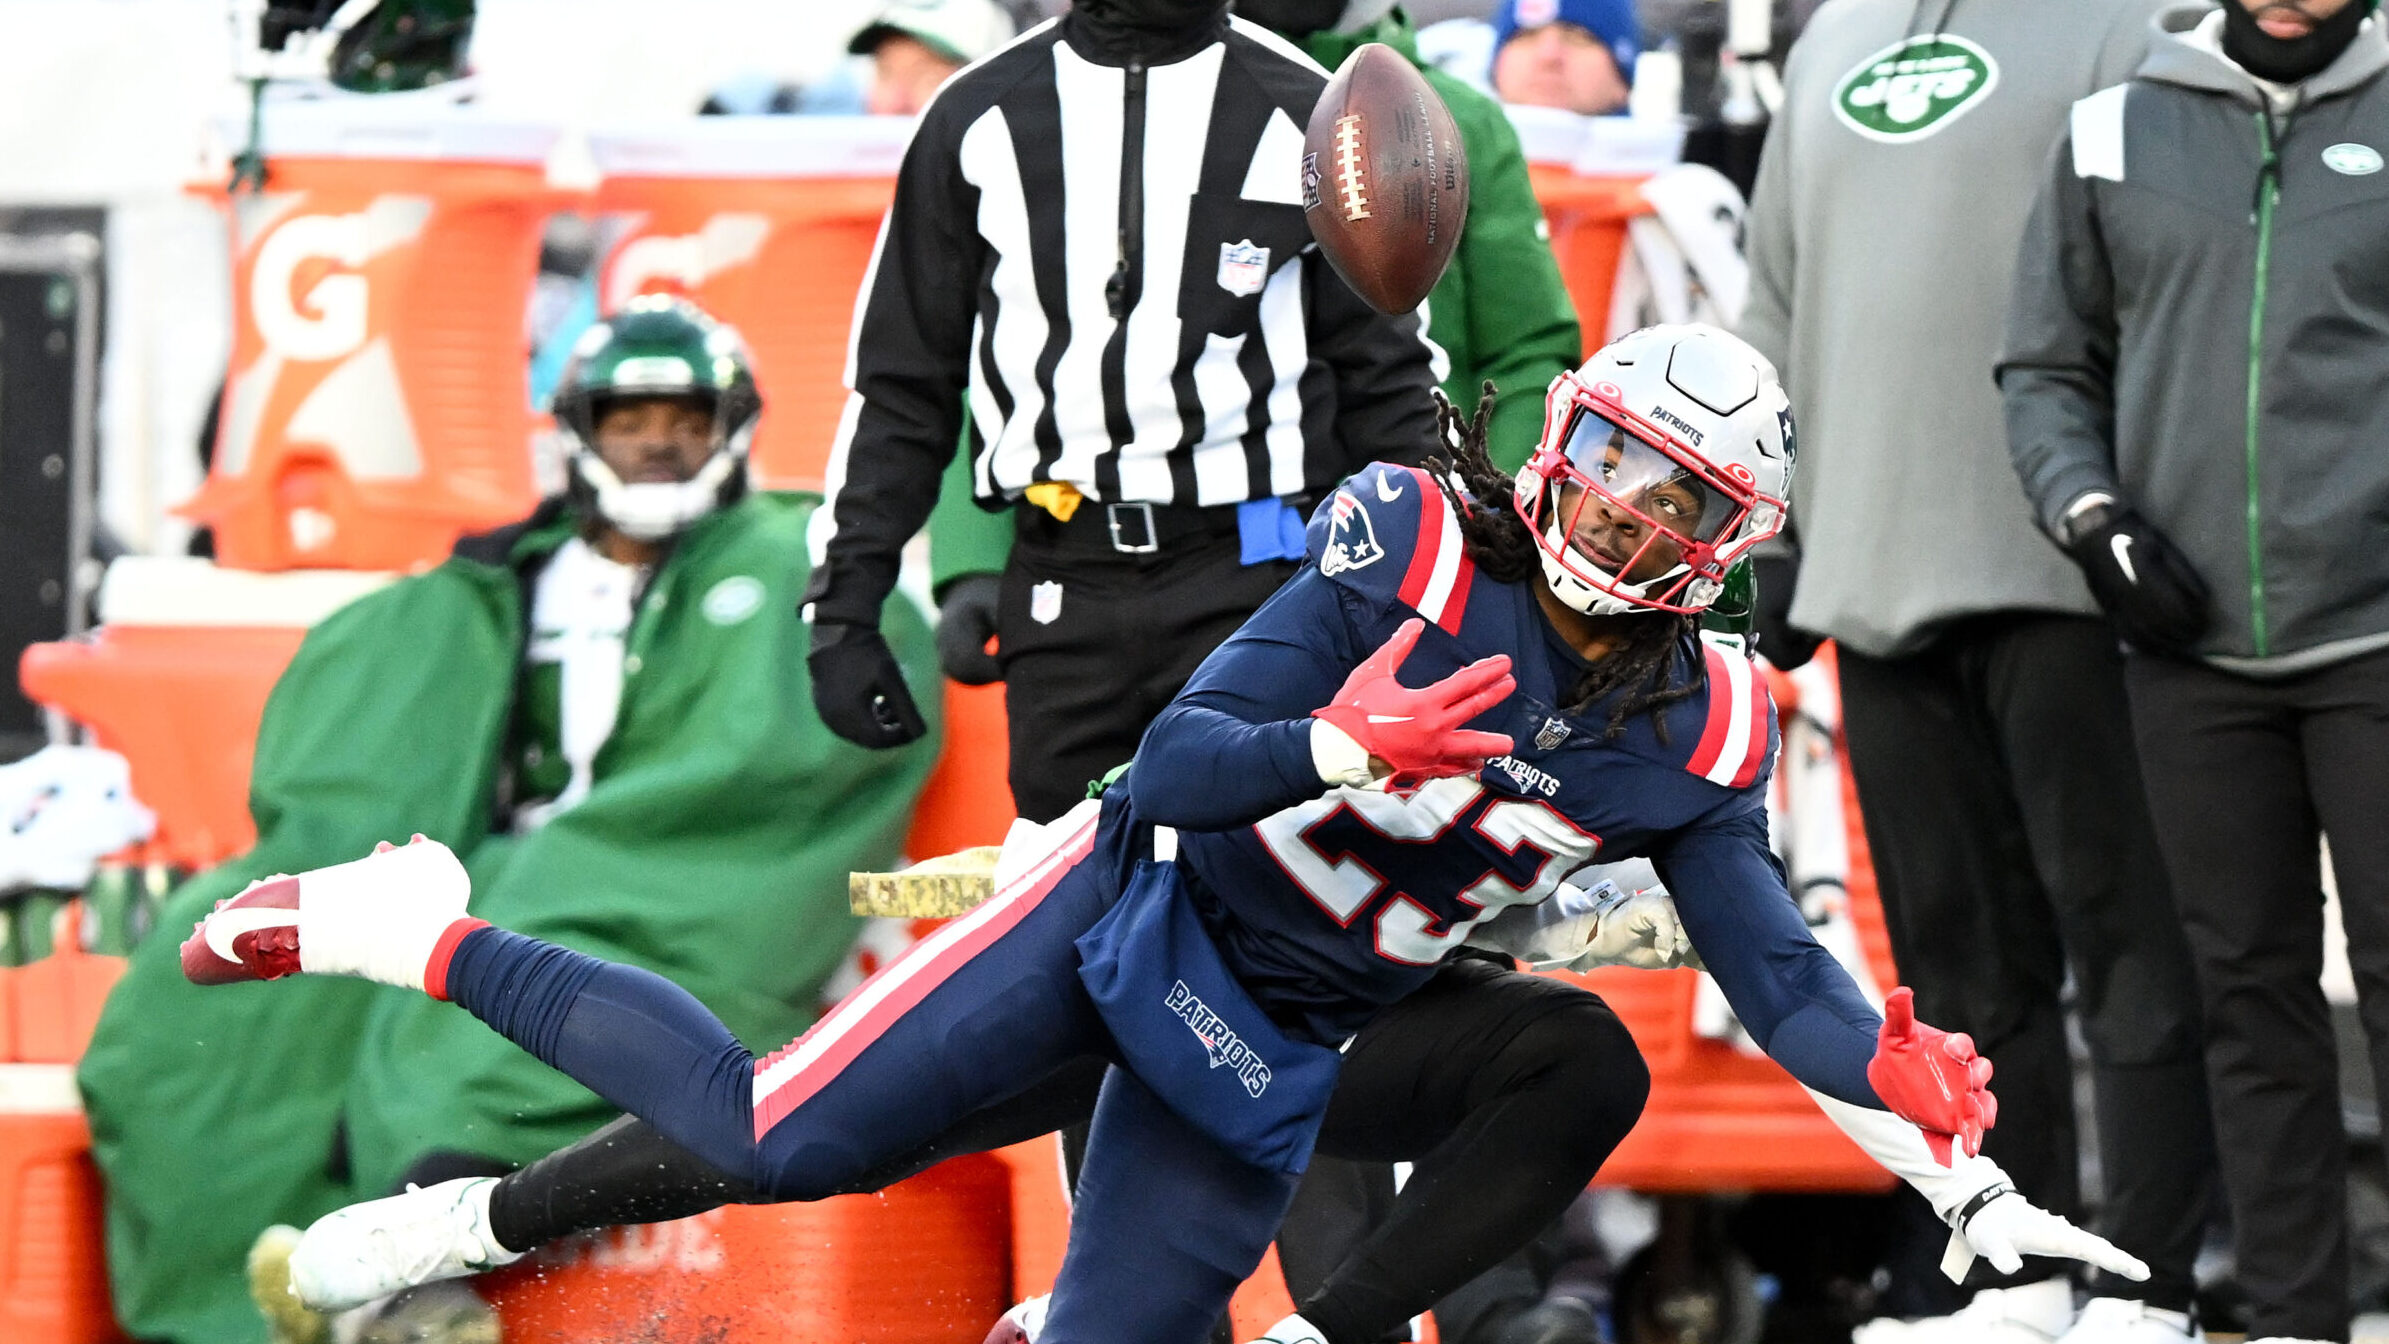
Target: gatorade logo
328, 321
683, 262
1911, 89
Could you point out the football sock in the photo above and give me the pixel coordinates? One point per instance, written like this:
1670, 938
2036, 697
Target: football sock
382, 917
627, 1034
627, 1172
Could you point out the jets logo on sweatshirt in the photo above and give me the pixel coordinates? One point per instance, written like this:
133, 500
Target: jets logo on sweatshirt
1913, 88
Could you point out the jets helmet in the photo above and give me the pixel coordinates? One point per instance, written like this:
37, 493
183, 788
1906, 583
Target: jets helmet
1671, 446
658, 346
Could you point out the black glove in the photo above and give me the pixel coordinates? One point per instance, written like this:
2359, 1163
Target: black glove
859, 690
2146, 586
965, 622
1780, 642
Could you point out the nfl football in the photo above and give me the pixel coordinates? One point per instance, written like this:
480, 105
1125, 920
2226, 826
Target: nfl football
1384, 179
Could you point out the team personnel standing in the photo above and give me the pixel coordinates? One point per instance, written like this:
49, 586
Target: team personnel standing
1302, 840
2197, 387
1097, 246
1983, 702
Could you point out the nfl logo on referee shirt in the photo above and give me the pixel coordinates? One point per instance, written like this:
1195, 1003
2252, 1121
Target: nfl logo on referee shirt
1243, 268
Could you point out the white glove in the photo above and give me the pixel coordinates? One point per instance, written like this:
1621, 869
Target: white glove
2005, 1227
1622, 918
1635, 928
1973, 1196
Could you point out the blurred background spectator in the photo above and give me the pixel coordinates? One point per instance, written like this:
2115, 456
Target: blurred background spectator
2195, 402
895, 63
1572, 54
586, 745
1982, 702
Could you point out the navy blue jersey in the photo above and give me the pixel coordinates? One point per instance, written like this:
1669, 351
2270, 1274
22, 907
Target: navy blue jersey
1330, 903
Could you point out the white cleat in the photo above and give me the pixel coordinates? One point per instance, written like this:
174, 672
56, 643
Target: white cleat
1292, 1330
2116, 1320
2037, 1313
380, 917
367, 1251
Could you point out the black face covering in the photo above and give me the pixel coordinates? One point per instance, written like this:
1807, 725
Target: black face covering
2293, 60
1293, 18
1151, 31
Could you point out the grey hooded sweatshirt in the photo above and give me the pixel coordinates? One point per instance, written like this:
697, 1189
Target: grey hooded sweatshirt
1883, 234
2201, 327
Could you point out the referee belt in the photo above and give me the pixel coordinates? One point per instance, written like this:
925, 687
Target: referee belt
1125, 529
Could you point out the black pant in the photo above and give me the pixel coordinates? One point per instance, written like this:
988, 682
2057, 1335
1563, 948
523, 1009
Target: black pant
1120, 636
2011, 841
2244, 778
1507, 1090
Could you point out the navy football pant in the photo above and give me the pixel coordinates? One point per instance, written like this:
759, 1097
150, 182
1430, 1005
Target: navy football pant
1168, 1222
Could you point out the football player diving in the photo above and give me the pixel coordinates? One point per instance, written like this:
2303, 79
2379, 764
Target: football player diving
1481, 685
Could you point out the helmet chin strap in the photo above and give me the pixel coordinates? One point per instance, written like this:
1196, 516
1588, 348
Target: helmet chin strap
654, 510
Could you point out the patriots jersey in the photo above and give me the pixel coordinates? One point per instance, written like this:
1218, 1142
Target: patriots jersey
1329, 902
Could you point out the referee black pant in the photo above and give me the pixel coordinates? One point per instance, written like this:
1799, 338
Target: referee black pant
2244, 778
2011, 841
1096, 637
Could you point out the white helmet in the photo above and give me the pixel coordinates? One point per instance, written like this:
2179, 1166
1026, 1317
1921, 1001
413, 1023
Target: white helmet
1673, 440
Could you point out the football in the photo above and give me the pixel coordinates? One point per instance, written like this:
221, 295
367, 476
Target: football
1384, 179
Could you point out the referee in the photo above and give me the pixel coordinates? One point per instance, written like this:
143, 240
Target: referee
1097, 246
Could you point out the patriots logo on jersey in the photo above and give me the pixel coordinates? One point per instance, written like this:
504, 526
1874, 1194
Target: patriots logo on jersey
1351, 538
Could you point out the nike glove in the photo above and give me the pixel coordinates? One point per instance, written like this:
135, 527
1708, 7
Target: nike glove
965, 622
2143, 582
1418, 733
859, 690
1985, 1214
1931, 1078
2003, 1227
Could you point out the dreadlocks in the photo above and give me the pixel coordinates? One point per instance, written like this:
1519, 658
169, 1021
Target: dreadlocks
1495, 538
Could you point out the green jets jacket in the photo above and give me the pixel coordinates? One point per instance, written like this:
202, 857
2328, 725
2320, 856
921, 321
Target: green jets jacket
1500, 312
713, 848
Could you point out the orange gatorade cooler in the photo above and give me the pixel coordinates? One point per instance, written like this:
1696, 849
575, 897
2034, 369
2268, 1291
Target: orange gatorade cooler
53, 1271
377, 406
768, 223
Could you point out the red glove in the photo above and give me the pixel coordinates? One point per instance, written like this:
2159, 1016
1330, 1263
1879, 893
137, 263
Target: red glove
1932, 1078
1418, 733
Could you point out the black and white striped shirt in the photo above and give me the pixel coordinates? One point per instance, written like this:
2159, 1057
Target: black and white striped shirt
1108, 261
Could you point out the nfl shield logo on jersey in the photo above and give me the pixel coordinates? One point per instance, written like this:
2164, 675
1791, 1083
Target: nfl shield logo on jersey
1243, 268
1045, 602
1553, 732
1351, 538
